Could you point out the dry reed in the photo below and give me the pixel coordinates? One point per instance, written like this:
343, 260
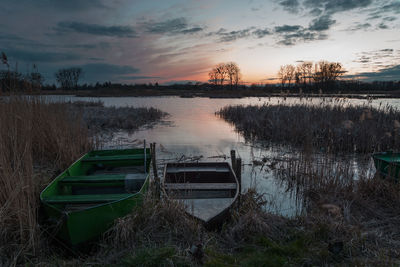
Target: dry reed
155, 223
330, 128
34, 135
354, 209
100, 118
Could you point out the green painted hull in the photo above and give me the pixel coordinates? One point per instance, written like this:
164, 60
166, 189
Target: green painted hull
387, 165
81, 204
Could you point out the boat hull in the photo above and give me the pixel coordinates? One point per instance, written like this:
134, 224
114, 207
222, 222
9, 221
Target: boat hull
208, 190
76, 223
387, 165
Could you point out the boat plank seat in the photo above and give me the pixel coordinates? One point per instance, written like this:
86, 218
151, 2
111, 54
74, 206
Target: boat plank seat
115, 158
82, 199
198, 169
93, 179
103, 178
200, 186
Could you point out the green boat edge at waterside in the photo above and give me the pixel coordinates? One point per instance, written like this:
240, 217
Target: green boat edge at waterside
387, 164
79, 226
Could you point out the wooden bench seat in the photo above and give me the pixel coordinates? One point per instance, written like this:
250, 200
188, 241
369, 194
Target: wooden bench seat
93, 179
116, 158
82, 199
200, 186
198, 169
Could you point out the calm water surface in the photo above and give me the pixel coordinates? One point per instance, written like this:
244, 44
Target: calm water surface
194, 131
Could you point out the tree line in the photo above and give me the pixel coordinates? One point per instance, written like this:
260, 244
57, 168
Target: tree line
308, 76
323, 74
225, 73
13, 80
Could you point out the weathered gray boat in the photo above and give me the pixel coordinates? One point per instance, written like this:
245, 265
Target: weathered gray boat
207, 189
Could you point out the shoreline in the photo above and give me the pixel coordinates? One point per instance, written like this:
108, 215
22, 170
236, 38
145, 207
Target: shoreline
226, 94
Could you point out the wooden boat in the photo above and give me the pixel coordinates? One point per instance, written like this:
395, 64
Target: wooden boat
208, 190
84, 200
387, 164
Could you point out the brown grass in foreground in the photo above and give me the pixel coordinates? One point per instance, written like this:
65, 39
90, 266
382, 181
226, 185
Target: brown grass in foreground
353, 210
330, 128
34, 136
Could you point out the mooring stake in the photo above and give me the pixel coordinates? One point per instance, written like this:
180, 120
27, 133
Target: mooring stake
145, 158
233, 160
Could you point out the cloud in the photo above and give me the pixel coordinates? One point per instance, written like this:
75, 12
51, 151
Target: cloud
101, 72
301, 36
36, 56
322, 23
287, 28
375, 60
192, 30
390, 18
383, 26
391, 73
335, 6
393, 7
229, 36
226, 36
131, 78
60, 5
359, 26
95, 29
88, 46
71, 4
290, 35
260, 33
291, 6
172, 26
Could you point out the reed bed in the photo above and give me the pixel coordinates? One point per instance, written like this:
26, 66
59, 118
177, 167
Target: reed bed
34, 137
101, 118
354, 211
336, 127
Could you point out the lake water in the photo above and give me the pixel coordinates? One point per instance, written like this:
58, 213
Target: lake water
194, 132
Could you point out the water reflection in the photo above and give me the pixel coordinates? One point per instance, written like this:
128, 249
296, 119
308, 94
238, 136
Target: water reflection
194, 132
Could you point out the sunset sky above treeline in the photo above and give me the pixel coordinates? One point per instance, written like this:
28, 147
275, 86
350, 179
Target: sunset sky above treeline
131, 41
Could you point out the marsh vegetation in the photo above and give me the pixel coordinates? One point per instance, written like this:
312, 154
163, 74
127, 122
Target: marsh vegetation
349, 217
37, 140
327, 127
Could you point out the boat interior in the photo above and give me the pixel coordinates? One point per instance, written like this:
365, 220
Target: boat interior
99, 178
205, 188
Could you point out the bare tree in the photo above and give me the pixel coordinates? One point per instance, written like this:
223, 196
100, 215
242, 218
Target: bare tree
290, 73
68, 78
213, 76
35, 78
221, 73
282, 75
327, 72
233, 73
224, 71
304, 71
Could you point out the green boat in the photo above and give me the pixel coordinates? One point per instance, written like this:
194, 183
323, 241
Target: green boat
387, 164
84, 200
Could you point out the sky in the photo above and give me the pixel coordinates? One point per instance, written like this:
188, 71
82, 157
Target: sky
133, 41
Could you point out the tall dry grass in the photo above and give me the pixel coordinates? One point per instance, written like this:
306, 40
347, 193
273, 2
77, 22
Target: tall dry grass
335, 127
34, 136
352, 206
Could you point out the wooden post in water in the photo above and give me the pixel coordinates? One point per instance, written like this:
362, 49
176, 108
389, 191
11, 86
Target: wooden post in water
233, 160
238, 172
156, 179
145, 158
